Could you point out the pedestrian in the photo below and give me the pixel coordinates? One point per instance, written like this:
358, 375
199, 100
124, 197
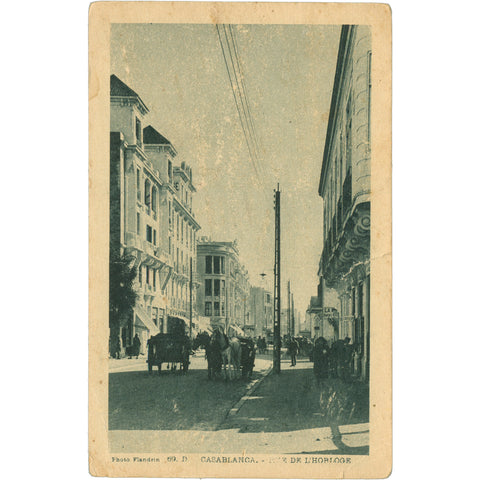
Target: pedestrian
136, 345
118, 348
348, 358
293, 347
320, 355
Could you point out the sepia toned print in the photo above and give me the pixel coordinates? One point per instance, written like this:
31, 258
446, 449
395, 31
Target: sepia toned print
240, 256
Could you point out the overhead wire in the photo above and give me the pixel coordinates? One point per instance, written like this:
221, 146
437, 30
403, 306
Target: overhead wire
247, 102
236, 101
241, 100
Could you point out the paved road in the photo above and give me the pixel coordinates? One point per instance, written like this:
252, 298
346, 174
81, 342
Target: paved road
286, 413
171, 401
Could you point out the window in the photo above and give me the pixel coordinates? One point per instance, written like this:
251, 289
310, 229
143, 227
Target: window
208, 287
216, 309
208, 309
170, 214
140, 274
208, 264
222, 265
138, 223
216, 264
348, 133
169, 245
154, 275
138, 130
222, 291
147, 275
147, 193
223, 308
154, 237
170, 177
268, 298
216, 287
154, 199
182, 230
149, 233
139, 190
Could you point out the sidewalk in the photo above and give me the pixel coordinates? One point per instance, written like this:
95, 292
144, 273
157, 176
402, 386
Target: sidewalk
295, 408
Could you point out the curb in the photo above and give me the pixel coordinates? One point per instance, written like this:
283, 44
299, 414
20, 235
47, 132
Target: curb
250, 390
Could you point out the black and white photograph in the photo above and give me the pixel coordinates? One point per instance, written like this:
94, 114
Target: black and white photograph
239, 242
207, 291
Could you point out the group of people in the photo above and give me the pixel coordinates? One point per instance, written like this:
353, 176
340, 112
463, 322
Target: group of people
132, 350
332, 361
261, 344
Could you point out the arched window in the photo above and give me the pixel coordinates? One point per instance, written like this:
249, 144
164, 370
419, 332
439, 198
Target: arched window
147, 192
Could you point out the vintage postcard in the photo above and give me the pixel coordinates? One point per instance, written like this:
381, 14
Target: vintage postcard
240, 240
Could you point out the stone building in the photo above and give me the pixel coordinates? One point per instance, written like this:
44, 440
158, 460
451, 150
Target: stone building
152, 220
224, 290
345, 189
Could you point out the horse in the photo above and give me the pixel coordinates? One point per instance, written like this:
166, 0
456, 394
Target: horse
230, 351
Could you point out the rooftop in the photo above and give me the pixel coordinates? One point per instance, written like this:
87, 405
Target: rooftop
121, 89
154, 137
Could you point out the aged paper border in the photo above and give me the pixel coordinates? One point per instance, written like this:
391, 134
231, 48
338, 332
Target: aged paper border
378, 463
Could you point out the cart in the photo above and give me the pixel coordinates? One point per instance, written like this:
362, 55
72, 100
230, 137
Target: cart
169, 348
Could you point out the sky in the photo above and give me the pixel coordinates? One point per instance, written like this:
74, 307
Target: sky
179, 72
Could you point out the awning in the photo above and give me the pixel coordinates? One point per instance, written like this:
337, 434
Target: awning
142, 320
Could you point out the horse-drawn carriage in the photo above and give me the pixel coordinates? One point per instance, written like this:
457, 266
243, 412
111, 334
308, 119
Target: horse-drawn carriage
172, 348
168, 348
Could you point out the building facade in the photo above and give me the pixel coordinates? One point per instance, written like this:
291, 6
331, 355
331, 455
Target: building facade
345, 189
261, 306
224, 290
152, 220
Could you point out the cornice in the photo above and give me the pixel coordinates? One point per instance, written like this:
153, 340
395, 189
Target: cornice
190, 217
131, 101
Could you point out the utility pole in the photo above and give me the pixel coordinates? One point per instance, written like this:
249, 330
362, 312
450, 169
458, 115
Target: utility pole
191, 295
289, 323
226, 305
293, 316
276, 321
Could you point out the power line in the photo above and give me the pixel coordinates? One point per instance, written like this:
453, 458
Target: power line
241, 101
242, 80
236, 101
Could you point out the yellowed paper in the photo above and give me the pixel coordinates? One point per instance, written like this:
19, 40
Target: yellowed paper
201, 113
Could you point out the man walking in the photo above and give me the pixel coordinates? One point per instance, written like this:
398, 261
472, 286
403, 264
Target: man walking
293, 351
136, 345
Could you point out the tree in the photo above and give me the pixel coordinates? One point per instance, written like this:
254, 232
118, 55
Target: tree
122, 296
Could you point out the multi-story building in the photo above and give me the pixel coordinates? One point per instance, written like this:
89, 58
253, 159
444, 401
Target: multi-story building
345, 189
261, 306
151, 215
223, 294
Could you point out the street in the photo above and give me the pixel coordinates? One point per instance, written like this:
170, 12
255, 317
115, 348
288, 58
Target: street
270, 413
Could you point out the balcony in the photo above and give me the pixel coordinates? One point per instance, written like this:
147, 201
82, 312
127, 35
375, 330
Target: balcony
346, 244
